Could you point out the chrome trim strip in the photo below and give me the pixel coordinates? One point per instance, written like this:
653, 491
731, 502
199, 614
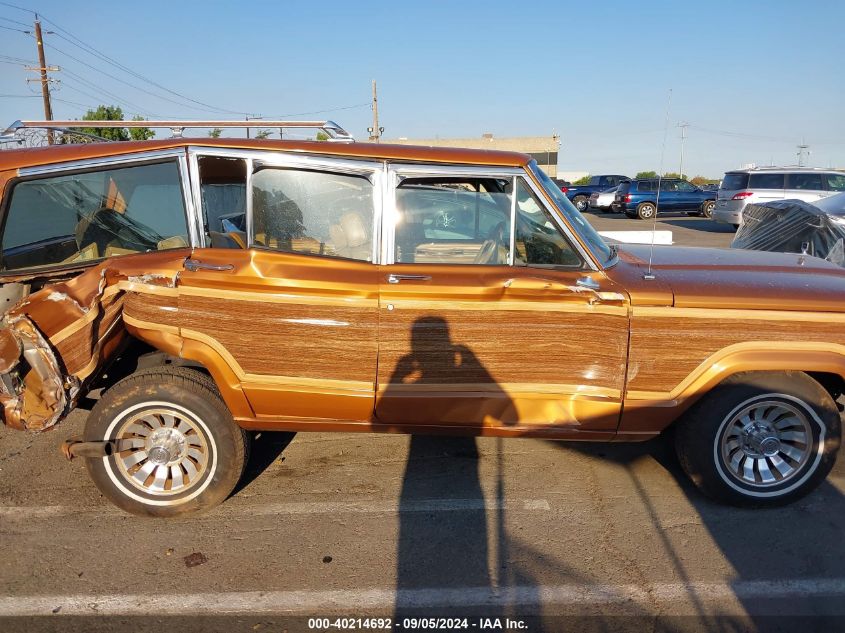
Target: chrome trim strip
512, 245
196, 192
101, 161
194, 231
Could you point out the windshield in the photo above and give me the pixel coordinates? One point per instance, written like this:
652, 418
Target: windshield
600, 250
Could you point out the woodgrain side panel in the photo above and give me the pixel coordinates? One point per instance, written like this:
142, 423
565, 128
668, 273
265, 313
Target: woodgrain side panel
497, 347
665, 350
152, 307
286, 339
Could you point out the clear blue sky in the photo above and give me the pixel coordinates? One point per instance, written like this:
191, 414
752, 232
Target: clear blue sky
753, 78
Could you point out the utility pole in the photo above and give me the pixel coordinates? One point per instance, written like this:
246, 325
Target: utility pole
683, 125
802, 149
375, 131
45, 80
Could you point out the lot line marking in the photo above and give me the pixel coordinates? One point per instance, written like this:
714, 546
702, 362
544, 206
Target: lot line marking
296, 508
297, 602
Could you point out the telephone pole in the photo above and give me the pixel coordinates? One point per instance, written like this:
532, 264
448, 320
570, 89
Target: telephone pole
683, 125
45, 80
375, 131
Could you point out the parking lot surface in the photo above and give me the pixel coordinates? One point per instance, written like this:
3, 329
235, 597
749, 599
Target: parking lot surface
392, 526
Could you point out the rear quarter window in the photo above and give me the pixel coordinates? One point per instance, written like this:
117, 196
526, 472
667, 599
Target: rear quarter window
646, 185
86, 216
732, 182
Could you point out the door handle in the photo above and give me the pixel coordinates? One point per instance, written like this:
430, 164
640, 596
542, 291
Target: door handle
395, 279
194, 265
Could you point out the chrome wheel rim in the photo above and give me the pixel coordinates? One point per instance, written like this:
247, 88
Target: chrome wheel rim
161, 451
766, 443
581, 205
647, 211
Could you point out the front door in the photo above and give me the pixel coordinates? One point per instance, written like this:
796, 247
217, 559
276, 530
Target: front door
295, 314
487, 318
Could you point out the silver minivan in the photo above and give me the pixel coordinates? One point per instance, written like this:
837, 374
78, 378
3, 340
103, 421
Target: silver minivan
762, 184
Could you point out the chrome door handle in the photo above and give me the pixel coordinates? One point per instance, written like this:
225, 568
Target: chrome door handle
395, 279
194, 265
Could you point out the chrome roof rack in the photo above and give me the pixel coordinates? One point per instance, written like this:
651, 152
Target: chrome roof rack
177, 127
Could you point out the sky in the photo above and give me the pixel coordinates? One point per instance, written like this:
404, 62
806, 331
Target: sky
752, 78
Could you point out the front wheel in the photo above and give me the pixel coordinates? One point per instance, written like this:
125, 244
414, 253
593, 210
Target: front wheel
177, 449
760, 438
707, 208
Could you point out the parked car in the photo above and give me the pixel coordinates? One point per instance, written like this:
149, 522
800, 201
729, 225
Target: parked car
794, 226
214, 287
639, 198
760, 185
580, 194
603, 200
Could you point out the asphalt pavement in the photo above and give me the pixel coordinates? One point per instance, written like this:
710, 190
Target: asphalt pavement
534, 534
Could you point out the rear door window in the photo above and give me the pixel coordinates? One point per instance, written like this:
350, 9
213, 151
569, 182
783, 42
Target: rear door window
766, 181
804, 181
91, 215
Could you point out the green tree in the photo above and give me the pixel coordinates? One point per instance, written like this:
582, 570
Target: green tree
141, 133
261, 134
584, 180
646, 174
674, 174
114, 113
322, 136
702, 180
216, 132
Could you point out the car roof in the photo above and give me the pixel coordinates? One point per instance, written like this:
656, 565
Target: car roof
784, 170
33, 157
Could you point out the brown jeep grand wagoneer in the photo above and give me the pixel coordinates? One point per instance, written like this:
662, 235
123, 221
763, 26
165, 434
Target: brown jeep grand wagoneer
214, 287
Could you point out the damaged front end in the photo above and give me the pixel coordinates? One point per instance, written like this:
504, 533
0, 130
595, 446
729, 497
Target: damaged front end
54, 342
31, 378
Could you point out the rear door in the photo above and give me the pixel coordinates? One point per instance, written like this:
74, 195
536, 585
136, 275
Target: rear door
290, 303
766, 187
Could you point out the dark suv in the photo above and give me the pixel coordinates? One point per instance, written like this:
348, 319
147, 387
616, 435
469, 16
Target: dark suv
638, 198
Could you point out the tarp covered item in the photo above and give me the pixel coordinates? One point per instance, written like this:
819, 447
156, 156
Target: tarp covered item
794, 226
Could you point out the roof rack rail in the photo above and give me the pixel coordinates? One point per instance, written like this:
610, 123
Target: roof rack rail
177, 127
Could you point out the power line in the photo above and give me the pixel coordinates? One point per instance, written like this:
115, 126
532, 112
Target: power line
14, 21
75, 41
14, 6
9, 28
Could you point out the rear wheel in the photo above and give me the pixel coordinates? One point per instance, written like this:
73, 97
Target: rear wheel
581, 203
646, 210
760, 439
177, 449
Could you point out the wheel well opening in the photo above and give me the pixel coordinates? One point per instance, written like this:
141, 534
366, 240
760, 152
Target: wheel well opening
834, 384
137, 355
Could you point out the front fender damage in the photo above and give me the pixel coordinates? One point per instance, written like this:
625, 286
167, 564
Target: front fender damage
54, 343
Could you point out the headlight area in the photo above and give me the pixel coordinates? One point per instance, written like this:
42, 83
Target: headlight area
33, 393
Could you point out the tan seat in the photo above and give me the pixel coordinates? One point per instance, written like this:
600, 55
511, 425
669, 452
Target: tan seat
350, 237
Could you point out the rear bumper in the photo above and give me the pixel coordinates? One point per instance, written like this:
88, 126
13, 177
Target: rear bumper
726, 215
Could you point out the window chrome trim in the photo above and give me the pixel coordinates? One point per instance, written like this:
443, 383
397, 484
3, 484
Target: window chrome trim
102, 161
